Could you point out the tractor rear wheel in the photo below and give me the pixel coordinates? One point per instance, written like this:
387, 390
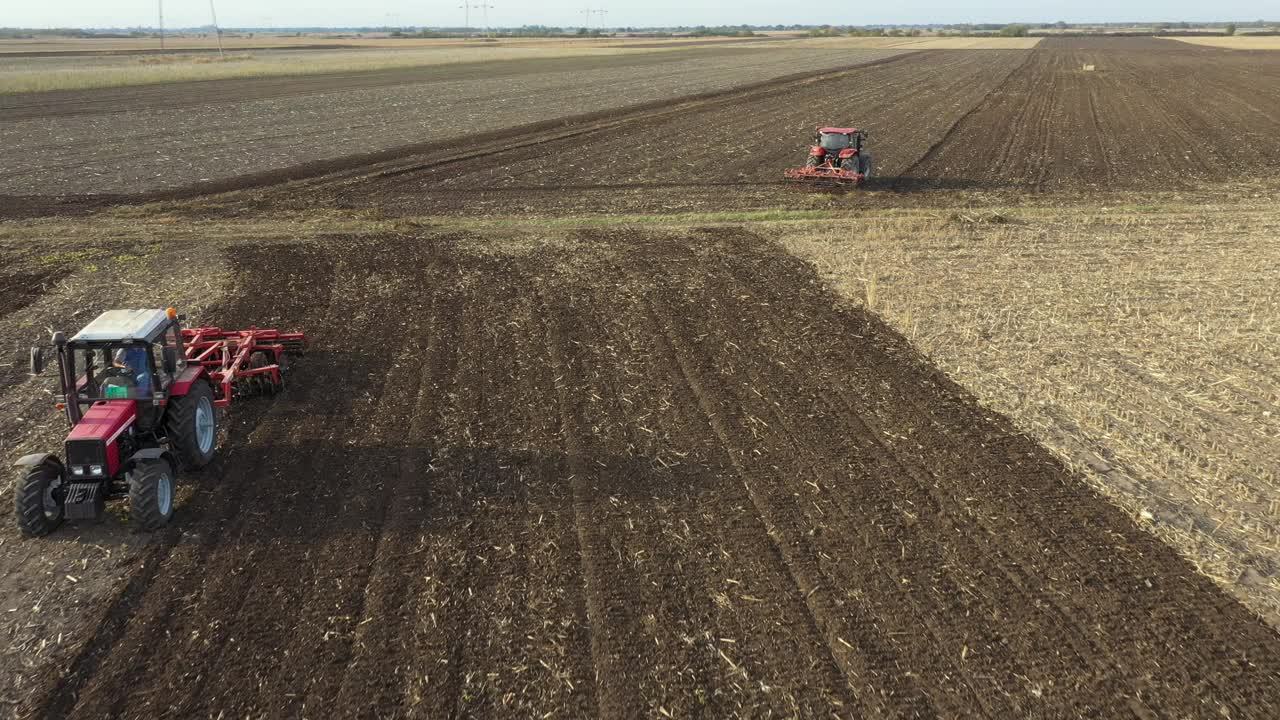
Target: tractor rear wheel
812, 162
151, 490
865, 161
38, 499
191, 423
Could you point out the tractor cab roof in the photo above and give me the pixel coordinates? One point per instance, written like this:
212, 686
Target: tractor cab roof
117, 325
838, 131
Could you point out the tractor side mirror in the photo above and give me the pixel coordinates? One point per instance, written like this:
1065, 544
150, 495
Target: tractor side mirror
170, 354
37, 360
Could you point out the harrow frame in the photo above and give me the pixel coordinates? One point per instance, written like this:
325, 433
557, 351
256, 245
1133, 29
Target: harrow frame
824, 174
226, 356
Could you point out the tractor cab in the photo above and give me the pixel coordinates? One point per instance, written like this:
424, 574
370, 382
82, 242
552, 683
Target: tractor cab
121, 355
833, 139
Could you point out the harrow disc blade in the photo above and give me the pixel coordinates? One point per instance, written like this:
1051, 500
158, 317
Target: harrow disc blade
822, 176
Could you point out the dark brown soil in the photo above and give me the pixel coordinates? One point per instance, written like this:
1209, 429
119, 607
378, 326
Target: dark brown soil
637, 475
1152, 114
173, 136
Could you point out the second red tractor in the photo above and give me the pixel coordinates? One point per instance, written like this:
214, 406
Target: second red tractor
838, 157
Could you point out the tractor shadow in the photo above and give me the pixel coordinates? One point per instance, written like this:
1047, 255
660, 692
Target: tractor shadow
320, 490
316, 490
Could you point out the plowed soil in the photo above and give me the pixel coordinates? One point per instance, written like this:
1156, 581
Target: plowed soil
149, 139
1149, 114
636, 475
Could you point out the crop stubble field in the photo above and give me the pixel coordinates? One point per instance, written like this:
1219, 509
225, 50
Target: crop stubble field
556, 461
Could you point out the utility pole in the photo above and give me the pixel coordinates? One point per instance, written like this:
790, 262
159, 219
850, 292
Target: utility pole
484, 6
587, 14
601, 13
161, 3
217, 31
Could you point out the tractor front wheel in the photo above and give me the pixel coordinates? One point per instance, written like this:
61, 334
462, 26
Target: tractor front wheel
39, 500
151, 490
191, 423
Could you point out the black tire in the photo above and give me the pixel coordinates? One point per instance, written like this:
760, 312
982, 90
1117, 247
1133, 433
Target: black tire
151, 492
850, 164
38, 500
812, 162
865, 162
180, 424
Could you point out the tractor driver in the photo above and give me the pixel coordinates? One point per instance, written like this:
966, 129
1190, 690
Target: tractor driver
136, 365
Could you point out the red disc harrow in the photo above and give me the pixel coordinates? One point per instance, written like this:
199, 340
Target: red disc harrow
242, 362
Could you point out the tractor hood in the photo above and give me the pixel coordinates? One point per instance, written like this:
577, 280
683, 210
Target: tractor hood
104, 420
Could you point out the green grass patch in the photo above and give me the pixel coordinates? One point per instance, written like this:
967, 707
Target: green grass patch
69, 257
655, 219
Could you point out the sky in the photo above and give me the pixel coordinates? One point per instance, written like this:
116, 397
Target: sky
620, 13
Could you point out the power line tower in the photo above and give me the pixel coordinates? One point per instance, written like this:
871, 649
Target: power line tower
601, 13
217, 31
466, 6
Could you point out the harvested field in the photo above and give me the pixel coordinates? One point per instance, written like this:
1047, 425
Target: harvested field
1235, 42
52, 73
635, 473
1139, 343
927, 43
327, 41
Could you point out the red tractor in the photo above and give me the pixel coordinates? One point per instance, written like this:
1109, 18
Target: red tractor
836, 158
141, 394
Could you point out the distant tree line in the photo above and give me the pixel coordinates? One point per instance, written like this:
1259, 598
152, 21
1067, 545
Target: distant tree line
1257, 27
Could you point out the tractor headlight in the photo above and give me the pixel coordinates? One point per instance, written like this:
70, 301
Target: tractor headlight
95, 469
77, 470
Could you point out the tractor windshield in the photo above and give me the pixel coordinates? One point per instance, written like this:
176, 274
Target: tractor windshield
112, 372
834, 141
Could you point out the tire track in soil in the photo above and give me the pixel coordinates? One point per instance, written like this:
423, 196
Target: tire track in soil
312, 505
906, 176
790, 545
866, 704
379, 635
683, 531
610, 630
